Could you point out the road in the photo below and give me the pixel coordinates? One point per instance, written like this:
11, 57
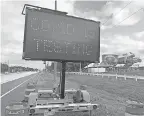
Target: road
13, 76
13, 91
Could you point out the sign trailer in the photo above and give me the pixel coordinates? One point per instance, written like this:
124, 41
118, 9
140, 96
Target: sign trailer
54, 36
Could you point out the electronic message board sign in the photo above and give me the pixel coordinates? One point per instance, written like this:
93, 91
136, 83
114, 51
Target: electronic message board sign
56, 37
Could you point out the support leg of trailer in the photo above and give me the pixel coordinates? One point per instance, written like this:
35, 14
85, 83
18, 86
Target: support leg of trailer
62, 80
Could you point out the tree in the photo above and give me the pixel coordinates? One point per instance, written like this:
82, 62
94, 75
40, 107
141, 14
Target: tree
4, 67
70, 66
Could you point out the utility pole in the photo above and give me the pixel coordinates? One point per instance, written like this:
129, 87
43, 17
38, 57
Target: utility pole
8, 67
55, 63
45, 66
44, 62
80, 67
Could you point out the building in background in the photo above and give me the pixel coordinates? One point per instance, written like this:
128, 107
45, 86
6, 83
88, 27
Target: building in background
127, 59
97, 67
114, 62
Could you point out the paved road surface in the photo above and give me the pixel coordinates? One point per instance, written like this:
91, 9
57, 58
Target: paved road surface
12, 92
9, 95
13, 76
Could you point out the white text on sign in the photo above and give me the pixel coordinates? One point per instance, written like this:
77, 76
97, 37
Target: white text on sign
63, 47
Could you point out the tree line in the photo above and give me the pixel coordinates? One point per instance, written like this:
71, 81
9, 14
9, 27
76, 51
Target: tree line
70, 66
6, 68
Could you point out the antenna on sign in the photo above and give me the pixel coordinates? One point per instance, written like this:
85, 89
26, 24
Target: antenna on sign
55, 4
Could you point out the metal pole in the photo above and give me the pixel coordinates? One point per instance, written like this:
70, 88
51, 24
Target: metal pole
62, 75
55, 4
80, 67
55, 63
55, 71
62, 80
45, 67
8, 67
44, 62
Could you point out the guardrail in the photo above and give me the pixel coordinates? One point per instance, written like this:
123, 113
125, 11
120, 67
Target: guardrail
108, 75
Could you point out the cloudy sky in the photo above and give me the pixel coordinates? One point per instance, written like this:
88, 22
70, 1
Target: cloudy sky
122, 26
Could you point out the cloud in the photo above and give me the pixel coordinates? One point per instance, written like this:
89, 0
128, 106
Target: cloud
139, 34
111, 13
127, 17
127, 43
86, 6
141, 52
66, 6
89, 9
125, 30
138, 3
105, 27
10, 47
125, 14
121, 44
104, 48
16, 59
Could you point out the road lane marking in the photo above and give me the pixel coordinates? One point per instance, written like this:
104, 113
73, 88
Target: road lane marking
16, 87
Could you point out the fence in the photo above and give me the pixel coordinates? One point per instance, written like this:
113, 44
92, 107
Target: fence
108, 75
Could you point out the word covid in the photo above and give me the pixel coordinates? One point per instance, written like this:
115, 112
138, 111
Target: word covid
61, 28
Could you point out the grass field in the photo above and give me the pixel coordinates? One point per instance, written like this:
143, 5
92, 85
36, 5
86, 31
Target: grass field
112, 94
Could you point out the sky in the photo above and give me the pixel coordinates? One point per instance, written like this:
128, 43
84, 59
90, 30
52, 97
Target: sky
122, 26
